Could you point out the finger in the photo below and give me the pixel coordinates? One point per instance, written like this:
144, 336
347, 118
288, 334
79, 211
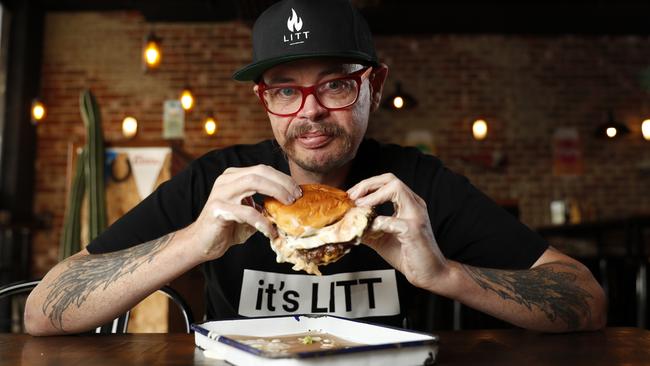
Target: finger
244, 215
370, 185
235, 173
387, 224
249, 184
373, 237
405, 201
377, 197
232, 175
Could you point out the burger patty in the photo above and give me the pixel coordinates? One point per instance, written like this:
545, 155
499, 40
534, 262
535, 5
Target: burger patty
325, 254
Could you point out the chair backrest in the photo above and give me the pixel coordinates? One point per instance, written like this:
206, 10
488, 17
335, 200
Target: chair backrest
119, 324
9, 292
182, 305
16, 288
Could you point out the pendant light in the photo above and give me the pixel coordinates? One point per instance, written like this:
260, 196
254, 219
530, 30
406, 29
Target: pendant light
38, 111
611, 128
399, 100
152, 53
210, 126
479, 129
129, 127
187, 99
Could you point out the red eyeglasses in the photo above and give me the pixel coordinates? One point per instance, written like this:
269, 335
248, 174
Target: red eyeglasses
333, 94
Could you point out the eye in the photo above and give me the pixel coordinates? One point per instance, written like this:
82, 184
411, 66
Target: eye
334, 85
286, 92
282, 93
337, 87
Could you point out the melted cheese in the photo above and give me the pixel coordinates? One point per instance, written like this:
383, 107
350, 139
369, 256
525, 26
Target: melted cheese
348, 229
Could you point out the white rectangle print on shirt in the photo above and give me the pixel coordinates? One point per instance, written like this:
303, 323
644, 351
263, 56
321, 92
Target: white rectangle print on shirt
349, 295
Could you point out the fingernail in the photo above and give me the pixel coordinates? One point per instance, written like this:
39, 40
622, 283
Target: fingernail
352, 193
298, 192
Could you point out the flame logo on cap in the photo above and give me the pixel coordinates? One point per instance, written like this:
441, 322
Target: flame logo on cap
294, 23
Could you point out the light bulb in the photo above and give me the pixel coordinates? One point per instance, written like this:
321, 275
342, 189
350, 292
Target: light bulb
479, 129
38, 111
210, 126
152, 55
129, 127
398, 102
611, 132
187, 99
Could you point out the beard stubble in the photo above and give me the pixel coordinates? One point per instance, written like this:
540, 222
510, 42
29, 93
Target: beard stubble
336, 159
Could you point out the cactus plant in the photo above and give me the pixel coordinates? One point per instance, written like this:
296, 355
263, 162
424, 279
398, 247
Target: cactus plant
70, 237
89, 174
94, 164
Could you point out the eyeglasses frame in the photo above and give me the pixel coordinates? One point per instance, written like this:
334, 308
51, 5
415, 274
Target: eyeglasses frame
306, 91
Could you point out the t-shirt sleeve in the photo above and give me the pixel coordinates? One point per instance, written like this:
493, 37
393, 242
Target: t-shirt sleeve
471, 228
170, 207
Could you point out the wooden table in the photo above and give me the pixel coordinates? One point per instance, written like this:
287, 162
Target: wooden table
613, 346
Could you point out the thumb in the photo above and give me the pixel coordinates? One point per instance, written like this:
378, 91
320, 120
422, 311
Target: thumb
380, 226
388, 224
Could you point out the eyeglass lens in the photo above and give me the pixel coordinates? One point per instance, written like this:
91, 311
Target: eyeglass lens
332, 94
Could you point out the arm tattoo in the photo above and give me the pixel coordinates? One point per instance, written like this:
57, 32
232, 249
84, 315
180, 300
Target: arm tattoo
552, 291
96, 271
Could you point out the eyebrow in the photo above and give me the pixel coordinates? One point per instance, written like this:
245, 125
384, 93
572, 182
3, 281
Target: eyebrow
338, 69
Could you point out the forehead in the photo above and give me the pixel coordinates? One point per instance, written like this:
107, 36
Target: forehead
309, 69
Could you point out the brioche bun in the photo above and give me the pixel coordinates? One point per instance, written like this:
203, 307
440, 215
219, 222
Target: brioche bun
318, 228
319, 206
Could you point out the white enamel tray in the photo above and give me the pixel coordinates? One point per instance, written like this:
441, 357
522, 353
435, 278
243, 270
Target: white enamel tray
382, 345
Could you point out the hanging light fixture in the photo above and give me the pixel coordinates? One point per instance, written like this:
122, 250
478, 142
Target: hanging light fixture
152, 54
187, 99
129, 127
399, 99
479, 129
611, 128
645, 129
210, 126
38, 111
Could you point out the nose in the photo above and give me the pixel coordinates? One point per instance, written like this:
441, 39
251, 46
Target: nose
312, 110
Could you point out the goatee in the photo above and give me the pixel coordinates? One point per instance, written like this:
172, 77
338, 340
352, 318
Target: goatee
338, 158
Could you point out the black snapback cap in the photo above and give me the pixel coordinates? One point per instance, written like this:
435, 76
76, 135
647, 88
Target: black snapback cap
296, 29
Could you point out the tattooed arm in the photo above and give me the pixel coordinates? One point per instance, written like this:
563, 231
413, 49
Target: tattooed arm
87, 290
558, 294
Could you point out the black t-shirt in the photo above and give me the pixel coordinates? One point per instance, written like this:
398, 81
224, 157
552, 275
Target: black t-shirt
247, 280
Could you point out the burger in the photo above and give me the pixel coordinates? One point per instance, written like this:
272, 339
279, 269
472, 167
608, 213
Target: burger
318, 228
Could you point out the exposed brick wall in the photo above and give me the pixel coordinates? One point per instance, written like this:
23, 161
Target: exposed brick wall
525, 87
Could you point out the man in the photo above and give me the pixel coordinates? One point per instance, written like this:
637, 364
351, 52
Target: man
317, 75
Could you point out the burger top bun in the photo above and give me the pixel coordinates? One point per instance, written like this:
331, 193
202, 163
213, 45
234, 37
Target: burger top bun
319, 206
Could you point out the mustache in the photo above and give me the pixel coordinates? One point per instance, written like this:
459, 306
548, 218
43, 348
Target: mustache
324, 128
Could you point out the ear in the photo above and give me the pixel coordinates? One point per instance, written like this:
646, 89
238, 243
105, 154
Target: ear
377, 79
255, 89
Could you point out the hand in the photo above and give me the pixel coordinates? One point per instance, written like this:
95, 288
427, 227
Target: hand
405, 240
230, 215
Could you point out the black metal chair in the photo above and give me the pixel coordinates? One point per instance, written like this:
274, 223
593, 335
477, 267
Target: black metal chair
119, 324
